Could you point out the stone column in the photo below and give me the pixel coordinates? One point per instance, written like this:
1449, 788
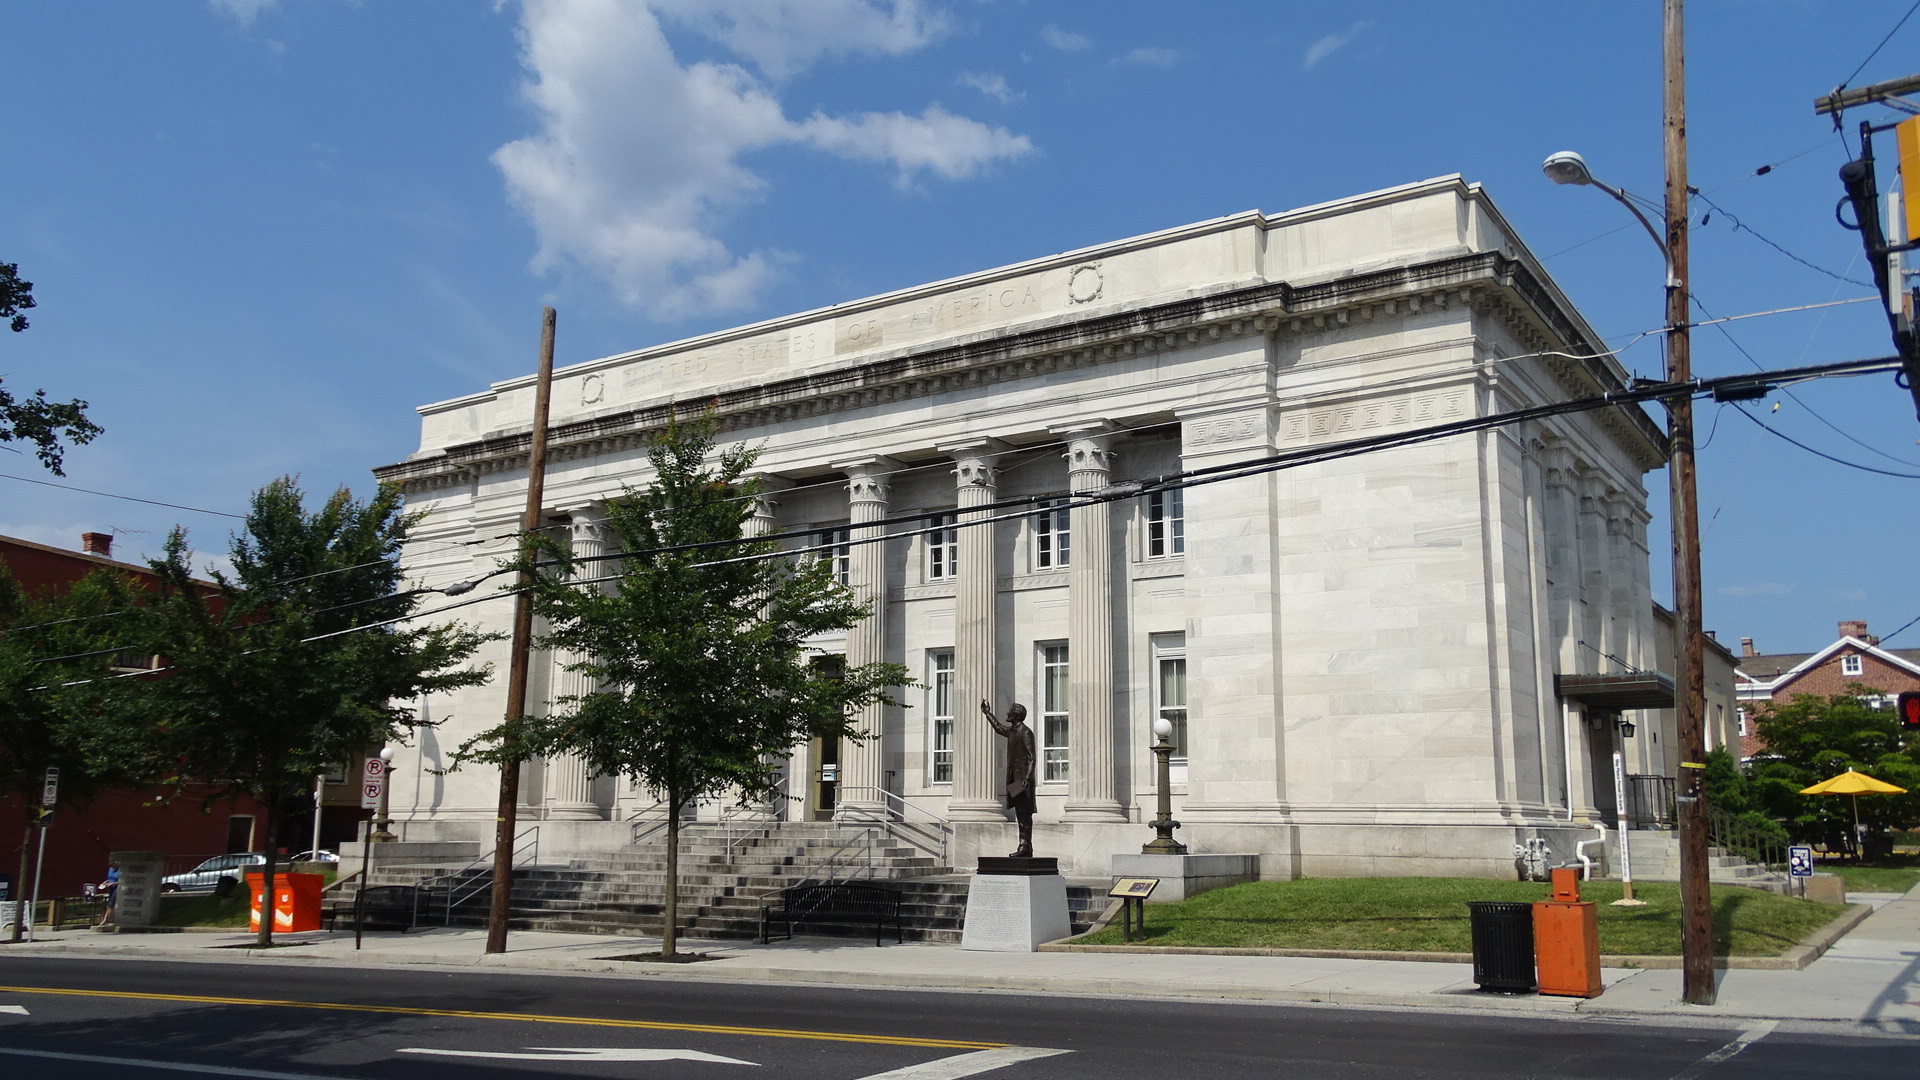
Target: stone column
862, 763
568, 793
1090, 755
977, 785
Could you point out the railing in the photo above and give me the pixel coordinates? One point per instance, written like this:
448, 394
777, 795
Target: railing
907, 822
526, 850
1745, 839
645, 822
855, 855
1650, 802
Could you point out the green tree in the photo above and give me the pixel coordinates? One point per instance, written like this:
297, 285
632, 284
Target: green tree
698, 656
35, 419
296, 660
56, 689
1812, 738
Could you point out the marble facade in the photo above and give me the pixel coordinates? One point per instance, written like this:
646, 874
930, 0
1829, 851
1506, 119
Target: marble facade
1361, 651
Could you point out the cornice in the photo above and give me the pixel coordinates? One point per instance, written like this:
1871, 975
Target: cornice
1488, 283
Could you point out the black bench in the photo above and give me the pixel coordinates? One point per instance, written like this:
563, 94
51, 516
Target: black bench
396, 906
838, 902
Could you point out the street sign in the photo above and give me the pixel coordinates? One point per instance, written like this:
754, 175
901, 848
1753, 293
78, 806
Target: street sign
50, 793
1800, 861
373, 780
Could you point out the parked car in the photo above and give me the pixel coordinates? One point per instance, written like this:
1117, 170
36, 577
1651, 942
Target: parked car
316, 856
206, 877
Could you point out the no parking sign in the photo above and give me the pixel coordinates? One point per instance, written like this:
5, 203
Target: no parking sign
373, 780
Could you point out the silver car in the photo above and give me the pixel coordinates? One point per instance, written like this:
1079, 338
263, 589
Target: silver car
206, 877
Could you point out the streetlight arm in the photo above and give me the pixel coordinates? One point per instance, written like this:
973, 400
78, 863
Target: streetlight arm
1620, 195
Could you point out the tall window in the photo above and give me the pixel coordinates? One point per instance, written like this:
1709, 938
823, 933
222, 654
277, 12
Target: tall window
1053, 712
840, 553
943, 548
1166, 524
1170, 689
940, 715
1740, 716
1052, 538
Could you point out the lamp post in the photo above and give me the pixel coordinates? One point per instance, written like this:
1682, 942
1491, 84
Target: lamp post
381, 834
1696, 919
1164, 843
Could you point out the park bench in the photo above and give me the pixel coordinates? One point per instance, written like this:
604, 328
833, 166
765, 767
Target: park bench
395, 906
839, 902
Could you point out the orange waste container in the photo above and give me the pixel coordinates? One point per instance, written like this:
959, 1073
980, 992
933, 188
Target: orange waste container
296, 901
1566, 940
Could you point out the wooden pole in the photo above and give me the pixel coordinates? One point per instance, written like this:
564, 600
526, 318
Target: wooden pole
1696, 900
506, 820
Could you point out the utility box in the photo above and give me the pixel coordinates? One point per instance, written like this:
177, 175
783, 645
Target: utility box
296, 901
1566, 939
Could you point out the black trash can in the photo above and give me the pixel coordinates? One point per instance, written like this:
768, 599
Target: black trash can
1502, 946
225, 886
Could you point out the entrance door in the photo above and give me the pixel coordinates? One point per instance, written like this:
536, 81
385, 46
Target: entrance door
824, 755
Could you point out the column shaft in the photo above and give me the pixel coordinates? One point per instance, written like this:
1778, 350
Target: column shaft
977, 786
862, 762
568, 793
1090, 737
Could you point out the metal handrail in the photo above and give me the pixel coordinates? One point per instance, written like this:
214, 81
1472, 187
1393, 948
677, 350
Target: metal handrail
1650, 802
864, 840
1730, 834
525, 841
934, 835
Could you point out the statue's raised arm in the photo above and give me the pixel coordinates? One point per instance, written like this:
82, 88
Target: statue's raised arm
999, 725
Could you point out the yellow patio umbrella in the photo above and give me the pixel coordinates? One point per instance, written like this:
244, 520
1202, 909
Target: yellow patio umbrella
1854, 784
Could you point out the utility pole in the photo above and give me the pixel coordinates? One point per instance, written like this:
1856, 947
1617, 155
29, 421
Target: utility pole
503, 835
1696, 899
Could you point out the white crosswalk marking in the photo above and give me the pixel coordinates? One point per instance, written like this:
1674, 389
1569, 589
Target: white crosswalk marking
16, 1010
1740, 1042
569, 1053
953, 1068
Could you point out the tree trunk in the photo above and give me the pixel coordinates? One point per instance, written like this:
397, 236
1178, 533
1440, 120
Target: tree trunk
670, 910
18, 895
265, 939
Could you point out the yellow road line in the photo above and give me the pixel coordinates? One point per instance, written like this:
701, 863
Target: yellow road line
531, 1018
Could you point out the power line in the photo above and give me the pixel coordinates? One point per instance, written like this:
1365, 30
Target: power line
1875, 52
1764, 426
126, 498
1741, 226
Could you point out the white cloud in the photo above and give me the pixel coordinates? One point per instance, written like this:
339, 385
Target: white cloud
1330, 44
991, 83
637, 162
1152, 56
1064, 40
782, 37
243, 12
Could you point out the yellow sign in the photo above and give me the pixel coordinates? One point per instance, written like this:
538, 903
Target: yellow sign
1907, 137
1134, 888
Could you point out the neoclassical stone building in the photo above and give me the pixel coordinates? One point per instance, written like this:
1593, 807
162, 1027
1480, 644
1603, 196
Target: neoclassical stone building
1363, 657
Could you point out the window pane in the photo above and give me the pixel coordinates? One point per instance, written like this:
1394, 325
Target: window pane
1053, 717
941, 770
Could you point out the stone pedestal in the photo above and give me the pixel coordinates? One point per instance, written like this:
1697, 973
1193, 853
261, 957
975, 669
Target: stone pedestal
1013, 905
136, 900
1182, 876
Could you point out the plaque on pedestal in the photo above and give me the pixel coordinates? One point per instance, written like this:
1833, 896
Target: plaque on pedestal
1015, 909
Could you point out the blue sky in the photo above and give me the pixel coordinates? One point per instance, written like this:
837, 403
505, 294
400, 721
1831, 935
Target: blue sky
262, 231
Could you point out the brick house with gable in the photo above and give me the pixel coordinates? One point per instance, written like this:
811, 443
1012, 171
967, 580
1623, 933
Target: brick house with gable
1855, 658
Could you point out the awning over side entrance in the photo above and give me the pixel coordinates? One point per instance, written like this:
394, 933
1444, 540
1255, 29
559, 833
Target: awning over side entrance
1617, 693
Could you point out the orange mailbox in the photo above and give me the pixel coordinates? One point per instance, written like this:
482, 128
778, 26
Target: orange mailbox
296, 901
1566, 939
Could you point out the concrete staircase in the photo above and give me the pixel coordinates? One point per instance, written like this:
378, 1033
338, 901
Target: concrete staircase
1656, 857
724, 874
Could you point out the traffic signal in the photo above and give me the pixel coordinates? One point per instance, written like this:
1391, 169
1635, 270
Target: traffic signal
1908, 706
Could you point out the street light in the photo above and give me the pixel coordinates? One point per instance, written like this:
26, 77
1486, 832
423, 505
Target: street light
1696, 917
1567, 167
1164, 843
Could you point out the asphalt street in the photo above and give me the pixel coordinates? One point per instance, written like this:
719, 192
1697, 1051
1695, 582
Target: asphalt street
131, 1020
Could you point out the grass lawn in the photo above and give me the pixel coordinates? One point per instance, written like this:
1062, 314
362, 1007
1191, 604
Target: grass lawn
205, 909
1897, 873
1430, 915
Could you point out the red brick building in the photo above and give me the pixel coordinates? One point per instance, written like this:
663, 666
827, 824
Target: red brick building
79, 841
1854, 659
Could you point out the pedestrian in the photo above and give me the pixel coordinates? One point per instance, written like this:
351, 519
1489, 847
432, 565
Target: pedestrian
111, 887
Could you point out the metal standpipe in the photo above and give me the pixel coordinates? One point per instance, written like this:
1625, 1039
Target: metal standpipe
1502, 945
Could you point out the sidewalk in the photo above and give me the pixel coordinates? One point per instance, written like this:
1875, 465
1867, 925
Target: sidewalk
1869, 977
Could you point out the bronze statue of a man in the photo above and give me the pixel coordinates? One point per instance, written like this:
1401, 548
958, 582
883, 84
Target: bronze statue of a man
1019, 770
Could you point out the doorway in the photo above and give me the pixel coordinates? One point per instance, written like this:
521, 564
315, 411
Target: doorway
824, 754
